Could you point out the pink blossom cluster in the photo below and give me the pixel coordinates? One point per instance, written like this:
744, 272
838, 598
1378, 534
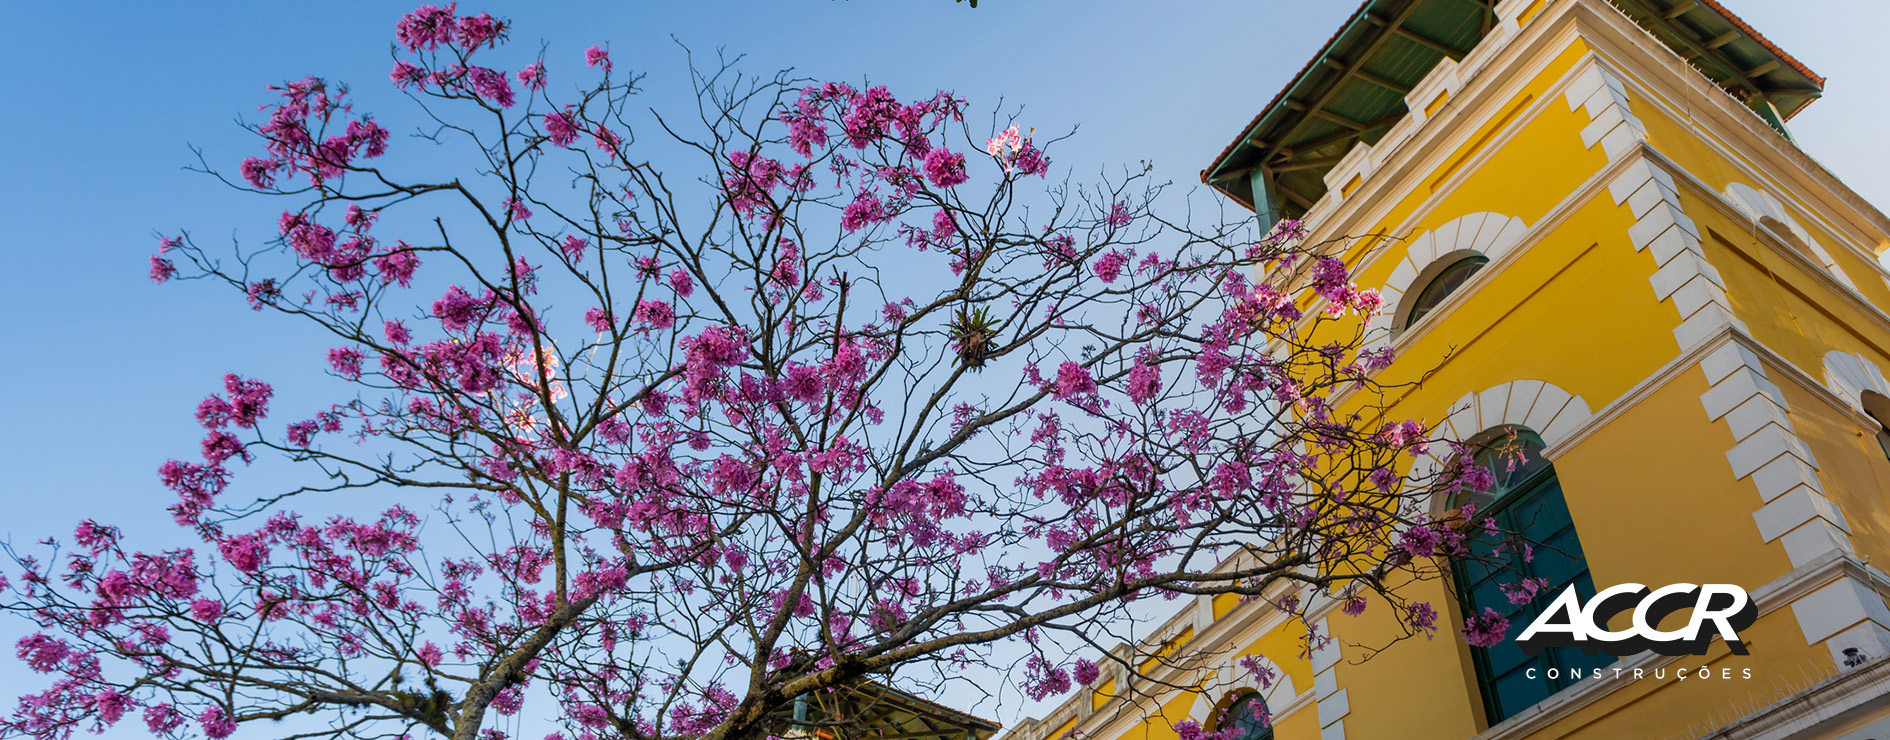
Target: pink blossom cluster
625, 423
1486, 629
308, 133
1018, 153
867, 119
431, 28
1332, 281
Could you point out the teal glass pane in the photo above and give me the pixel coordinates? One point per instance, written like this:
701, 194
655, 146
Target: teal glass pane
1490, 593
1543, 513
1528, 501
1517, 691
1505, 656
1475, 572
1513, 461
1446, 282
1558, 560
1248, 713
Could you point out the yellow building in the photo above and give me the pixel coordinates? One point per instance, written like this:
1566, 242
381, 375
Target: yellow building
1602, 238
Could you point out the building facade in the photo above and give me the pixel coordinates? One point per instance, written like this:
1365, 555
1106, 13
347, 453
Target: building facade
1595, 236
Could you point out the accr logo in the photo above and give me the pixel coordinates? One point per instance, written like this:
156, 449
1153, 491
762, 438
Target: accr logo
1567, 622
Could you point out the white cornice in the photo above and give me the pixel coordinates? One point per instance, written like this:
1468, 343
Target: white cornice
1689, 359
1408, 163
1587, 191
1677, 81
1852, 693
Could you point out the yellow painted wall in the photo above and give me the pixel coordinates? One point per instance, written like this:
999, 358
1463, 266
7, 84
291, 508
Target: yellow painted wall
1575, 308
1495, 334
1852, 467
1285, 646
1544, 151
1660, 463
1395, 689
1302, 725
1704, 158
1225, 603
1796, 315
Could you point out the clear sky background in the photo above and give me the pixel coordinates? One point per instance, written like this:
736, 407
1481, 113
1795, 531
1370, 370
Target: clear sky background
100, 370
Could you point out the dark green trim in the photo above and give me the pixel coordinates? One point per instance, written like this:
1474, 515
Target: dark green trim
1741, 63
1252, 731
1353, 90
1418, 311
1510, 509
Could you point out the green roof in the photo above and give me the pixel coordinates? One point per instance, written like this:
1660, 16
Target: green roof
1739, 59
1353, 89
870, 710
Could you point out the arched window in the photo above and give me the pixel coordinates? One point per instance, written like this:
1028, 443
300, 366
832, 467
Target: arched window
1249, 715
1878, 406
1526, 501
1441, 285
1766, 210
1789, 236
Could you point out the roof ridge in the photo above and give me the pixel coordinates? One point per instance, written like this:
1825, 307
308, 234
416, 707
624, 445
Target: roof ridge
1748, 30
1290, 82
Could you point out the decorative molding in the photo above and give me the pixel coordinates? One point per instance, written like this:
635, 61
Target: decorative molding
1430, 95
1848, 375
1611, 121
1758, 205
1229, 678
1350, 173
1847, 614
1541, 407
1767, 450
1661, 228
1333, 702
1492, 235
1834, 700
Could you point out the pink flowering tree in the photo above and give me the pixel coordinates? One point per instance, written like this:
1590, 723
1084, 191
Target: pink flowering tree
865, 395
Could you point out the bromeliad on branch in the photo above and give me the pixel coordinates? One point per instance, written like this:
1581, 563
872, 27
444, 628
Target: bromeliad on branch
656, 452
974, 336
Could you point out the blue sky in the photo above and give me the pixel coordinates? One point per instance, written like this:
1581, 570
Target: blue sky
101, 368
